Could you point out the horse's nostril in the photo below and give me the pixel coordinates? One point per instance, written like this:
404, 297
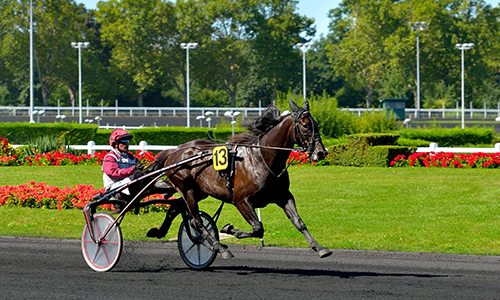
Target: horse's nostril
321, 155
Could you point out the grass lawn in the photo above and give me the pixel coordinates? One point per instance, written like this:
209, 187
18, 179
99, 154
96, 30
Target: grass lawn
396, 209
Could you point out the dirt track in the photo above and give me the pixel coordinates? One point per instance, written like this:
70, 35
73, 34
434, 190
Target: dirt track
55, 269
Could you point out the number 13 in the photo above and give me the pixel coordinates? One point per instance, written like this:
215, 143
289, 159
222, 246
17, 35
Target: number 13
220, 159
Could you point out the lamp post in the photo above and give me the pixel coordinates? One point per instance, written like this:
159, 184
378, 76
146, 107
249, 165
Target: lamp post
62, 117
201, 118
463, 47
38, 112
98, 119
304, 47
188, 46
418, 27
232, 115
32, 96
79, 46
208, 114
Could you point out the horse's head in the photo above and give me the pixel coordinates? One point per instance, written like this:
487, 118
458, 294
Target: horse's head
306, 131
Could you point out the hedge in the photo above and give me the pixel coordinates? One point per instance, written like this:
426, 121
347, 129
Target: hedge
22, 133
445, 137
178, 135
358, 152
80, 134
374, 139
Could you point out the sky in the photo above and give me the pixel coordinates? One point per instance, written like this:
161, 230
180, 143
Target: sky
317, 9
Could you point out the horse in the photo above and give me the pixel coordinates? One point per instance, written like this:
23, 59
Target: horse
257, 178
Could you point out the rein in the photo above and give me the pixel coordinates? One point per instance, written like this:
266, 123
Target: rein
297, 133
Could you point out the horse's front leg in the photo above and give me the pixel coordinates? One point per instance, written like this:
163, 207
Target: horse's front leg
247, 211
291, 212
197, 225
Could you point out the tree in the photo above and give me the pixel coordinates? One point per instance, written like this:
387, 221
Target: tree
226, 62
58, 23
275, 28
361, 55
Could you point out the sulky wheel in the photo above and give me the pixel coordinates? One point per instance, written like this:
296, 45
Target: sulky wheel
197, 253
103, 256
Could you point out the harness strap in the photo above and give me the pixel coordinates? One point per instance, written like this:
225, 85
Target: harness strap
262, 156
267, 166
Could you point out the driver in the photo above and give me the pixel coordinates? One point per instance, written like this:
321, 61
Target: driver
120, 166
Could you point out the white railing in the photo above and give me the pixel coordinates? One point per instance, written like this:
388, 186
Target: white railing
91, 147
433, 147
116, 111
88, 111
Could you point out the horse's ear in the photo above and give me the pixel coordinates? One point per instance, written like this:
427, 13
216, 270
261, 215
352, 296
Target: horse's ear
306, 105
293, 106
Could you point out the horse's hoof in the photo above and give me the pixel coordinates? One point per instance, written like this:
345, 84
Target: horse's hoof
227, 228
324, 253
152, 233
226, 254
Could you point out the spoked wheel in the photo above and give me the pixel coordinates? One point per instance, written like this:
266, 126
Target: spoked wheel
198, 254
102, 257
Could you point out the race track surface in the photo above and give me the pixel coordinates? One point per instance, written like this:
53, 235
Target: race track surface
55, 269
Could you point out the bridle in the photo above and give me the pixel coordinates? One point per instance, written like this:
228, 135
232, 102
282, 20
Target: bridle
305, 139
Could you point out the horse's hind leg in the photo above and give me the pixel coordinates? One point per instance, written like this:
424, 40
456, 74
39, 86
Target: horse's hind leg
291, 212
176, 206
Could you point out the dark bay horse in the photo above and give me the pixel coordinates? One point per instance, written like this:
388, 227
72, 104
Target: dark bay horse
259, 174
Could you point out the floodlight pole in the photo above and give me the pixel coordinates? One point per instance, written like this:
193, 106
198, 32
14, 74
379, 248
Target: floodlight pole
304, 47
188, 46
32, 96
79, 46
418, 27
463, 47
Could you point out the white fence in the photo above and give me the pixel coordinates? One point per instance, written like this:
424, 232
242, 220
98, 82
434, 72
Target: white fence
91, 147
116, 111
88, 111
433, 147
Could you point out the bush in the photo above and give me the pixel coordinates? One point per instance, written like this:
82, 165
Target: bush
334, 122
375, 139
451, 137
412, 143
23, 133
178, 135
358, 152
80, 134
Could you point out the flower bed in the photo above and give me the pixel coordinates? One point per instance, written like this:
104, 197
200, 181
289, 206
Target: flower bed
40, 195
448, 160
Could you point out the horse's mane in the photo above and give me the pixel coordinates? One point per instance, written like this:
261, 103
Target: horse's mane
259, 126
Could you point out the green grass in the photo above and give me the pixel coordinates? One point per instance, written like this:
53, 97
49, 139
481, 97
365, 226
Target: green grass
400, 209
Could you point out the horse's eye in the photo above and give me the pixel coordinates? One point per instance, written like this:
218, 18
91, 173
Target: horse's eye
306, 126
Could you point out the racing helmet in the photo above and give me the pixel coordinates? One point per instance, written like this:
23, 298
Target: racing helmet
117, 135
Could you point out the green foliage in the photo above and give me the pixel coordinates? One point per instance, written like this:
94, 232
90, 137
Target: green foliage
246, 52
334, 122
23, 133
412, 143
373, 139
367, 150
54, 136
49, 144
177, 135
451, 137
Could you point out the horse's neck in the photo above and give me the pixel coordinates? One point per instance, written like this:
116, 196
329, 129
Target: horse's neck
280, 137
